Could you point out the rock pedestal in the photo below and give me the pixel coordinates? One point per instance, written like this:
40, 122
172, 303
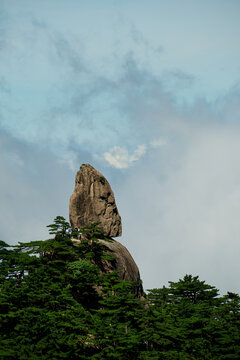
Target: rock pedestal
123, 264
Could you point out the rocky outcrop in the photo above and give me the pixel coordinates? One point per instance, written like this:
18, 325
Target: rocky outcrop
123, 263
93, 201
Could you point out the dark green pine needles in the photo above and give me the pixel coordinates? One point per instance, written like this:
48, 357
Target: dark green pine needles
57, 303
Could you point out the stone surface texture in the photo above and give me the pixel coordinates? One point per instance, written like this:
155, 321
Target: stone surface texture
93, 201
123, 263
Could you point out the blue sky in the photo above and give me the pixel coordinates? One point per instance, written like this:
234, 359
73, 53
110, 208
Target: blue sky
148, 93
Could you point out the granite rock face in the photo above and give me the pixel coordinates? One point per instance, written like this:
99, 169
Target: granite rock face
124, 264
93, 201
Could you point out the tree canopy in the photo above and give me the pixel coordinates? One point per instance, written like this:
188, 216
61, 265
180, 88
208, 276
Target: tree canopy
57, 303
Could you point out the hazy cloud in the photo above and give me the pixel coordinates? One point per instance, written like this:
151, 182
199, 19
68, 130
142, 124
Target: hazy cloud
67, 52
4, 86
70, 159
188, 210
159, 142
34, 189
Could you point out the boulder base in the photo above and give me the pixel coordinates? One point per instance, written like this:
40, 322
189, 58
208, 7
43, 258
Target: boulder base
123, 263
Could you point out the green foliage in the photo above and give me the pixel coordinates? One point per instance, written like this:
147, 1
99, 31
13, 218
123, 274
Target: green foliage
57, 303
46, 297
59, 226
117, 334
102, 180
191, 319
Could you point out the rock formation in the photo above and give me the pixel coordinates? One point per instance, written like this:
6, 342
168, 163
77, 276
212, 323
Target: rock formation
123, 263
93, 201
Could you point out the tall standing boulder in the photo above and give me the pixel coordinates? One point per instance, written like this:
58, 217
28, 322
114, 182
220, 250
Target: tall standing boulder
93, 201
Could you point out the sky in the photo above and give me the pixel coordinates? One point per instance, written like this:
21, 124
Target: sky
147, 92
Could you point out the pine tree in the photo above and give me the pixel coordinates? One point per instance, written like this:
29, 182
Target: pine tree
225, 328
56, 302
185, 308
117, 322
46, 298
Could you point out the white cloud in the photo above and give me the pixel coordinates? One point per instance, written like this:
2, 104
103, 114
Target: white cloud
156, 143
119, 157
139, 152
